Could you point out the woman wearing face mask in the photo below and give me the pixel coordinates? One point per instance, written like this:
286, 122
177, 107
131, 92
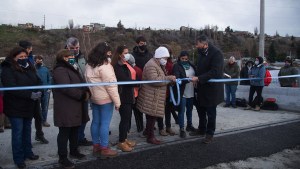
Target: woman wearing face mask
245, 73
19, 105
152, 97
125, 72
68, 106
104, 98
184, 69
256, 85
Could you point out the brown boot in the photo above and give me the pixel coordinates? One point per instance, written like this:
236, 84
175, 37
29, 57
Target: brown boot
153, 140
257, 108
124, 147
163, 133
170, 131
130, 143
108, 153
208, 139
96, 150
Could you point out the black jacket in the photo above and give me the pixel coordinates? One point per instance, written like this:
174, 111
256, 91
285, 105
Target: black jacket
179, 72
141, 58
126, 92
245, 74
210, 66
18, 103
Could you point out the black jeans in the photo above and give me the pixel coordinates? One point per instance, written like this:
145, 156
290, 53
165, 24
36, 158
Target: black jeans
259, 100
65, 134
207, 119
125, 113
138, 119
37, 115
168, 110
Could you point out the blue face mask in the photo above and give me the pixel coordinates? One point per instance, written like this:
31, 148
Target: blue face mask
71, 61
23, 62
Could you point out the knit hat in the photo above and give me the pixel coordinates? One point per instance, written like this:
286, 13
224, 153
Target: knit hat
161, 52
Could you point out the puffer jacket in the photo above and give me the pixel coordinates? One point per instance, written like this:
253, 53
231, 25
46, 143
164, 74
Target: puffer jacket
103, 94
152, 97
258, 71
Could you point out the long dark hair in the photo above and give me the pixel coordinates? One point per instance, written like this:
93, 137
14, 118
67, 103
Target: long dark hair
118, 52
97, 56
11, 58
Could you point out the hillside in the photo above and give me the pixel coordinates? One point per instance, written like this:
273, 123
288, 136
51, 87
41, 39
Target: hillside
239, 44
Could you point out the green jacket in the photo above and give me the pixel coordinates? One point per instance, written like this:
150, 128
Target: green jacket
233, 71
286, 71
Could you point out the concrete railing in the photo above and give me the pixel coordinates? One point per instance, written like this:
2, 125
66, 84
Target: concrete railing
287, 98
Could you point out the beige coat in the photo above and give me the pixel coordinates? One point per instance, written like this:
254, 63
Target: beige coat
152, 97
103, 94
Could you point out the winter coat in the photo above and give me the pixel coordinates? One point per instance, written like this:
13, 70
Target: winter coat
141, 58
244, 74
257, 71
103, 94
152, 97
210, 66
44, 74
18, 103
179, 72
81, 63
286, 71
69, 104
125, 91
233, 71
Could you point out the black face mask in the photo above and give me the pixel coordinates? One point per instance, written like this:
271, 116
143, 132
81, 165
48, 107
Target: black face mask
202, 51
38, 64
30, 53
143, 47
23, 62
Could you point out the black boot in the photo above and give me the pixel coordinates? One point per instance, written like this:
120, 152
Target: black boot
66, 163
76, 154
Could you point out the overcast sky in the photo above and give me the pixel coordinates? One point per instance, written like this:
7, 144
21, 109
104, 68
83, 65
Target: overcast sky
280, 15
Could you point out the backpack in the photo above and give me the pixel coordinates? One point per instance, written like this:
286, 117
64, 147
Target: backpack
241, 102
270, 104
268, 78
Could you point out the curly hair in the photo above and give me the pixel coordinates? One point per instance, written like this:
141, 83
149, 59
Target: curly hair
11, 58
97, 56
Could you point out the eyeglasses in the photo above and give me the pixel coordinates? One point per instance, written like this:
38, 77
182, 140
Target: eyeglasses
74, 48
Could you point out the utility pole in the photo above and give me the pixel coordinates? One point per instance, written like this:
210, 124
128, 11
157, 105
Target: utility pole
44, 22
262, 29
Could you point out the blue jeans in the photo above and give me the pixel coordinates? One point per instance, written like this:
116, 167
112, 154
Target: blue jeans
21, 138
44, 105
102, 115
230, 91
188, 104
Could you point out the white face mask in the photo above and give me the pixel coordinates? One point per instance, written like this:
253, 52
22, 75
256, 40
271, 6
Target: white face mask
109, 60
163, 62
126, 57
256, 62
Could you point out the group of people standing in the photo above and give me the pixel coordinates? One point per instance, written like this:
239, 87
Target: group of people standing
100, 66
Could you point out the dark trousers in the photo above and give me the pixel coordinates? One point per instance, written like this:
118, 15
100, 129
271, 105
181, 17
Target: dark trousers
138, 119
207, 119
170, 109
125, 113
38, 120
65, 134
150, 122
258, 90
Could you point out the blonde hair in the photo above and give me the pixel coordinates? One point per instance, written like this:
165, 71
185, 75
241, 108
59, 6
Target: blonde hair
231, 59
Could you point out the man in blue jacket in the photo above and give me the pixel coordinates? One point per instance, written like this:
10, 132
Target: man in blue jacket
44, 74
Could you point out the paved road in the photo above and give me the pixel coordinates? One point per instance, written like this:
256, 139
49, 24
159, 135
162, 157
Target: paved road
194, 154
